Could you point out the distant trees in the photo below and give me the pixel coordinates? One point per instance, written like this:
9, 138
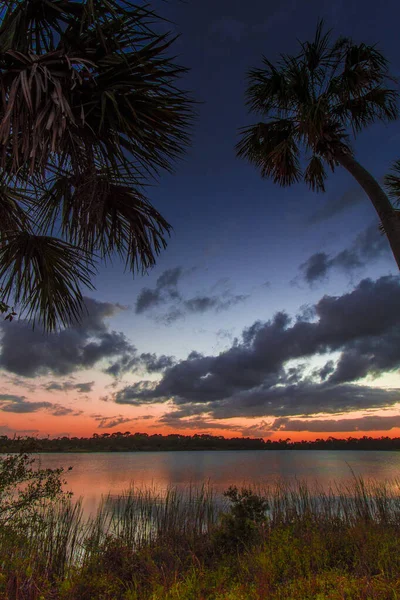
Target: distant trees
312, 103
89, 111
138, 442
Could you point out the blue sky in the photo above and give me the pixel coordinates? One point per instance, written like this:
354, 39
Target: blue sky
241, 246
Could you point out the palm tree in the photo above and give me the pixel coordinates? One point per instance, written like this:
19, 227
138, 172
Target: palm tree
392, 182
90, 112
313, 102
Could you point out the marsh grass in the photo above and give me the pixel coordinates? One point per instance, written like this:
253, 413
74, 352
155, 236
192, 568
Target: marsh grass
300, 542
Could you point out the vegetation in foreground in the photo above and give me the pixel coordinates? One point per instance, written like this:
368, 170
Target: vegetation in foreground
280, 543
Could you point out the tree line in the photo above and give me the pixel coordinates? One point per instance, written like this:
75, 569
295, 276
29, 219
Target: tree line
142, 442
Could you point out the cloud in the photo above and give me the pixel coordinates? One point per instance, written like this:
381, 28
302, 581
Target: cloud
165, 290
135, 394
18, 404
32, 353
196, 423
201, 304
367, 423
167, 296
169, 279
110, 422
368, 246
330, 209
147, 299
253, 377
154, 363
9, 432
11, 398
67, 386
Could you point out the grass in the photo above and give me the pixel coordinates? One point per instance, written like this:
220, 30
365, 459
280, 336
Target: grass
278, 543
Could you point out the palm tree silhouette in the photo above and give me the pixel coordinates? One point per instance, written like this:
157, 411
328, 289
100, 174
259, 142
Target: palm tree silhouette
312, 103
90, 111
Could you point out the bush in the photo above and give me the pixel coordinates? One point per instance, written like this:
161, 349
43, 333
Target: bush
24, 486
243, 524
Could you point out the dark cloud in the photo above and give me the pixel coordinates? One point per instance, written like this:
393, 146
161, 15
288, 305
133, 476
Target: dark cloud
8, 431
167, 296
165, 290
193, 355
351, 198
197, 423
125, 363
367, 423
32, 353
172, 315
11, 398
169, 279
201, 304
135, 394
110, 422
368, 246
304, 398
154, 363
19, 404
252, 378
147, 299
67, 386
260, 429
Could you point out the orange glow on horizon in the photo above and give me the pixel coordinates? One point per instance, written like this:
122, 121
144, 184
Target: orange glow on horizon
85, 426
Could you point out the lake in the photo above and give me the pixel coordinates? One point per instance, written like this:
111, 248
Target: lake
99, 474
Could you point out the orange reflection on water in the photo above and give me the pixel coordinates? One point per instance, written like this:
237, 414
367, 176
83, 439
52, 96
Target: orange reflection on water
98, 474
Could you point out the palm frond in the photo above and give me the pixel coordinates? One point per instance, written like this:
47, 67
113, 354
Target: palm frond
43, 275
104, 217
267, 89
36, 112
392, 182
36, 26
327, 89
13, 215
90, 110
272, 148
315, 174
378, 104
317, 53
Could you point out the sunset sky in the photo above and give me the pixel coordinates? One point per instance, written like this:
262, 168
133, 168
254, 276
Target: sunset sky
273, 312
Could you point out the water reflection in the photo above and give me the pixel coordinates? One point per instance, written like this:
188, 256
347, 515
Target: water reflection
100, 474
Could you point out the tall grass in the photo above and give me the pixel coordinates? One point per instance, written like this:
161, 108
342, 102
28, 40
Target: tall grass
192, 544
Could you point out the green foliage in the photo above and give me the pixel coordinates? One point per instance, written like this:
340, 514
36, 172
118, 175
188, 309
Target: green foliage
311, 545
244, 523
90, 112
24, 486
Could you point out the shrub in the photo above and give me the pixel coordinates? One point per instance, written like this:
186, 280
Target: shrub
24, 486
243, 524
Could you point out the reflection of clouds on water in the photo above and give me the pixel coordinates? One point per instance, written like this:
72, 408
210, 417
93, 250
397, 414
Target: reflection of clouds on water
94, 476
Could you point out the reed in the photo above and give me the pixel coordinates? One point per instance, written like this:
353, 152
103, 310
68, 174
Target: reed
191, 543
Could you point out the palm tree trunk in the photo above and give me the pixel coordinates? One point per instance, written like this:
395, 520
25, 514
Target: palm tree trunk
389, 217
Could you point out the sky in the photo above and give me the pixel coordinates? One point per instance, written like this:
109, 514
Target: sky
273, 312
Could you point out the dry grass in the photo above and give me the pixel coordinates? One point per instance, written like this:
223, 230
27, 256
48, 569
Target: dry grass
309, 545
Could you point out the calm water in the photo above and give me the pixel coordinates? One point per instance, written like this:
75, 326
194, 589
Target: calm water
97, 475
